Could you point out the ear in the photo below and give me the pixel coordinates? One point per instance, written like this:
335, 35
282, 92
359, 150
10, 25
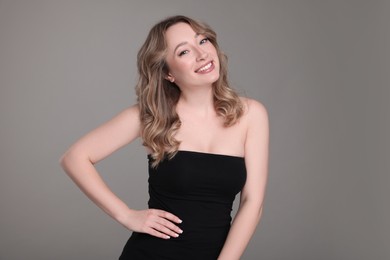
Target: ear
170, 78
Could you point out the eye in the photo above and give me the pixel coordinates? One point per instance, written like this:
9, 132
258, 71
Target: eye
182, 53
204, 40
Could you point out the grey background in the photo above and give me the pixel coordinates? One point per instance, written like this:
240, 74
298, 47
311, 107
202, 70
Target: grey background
320, 67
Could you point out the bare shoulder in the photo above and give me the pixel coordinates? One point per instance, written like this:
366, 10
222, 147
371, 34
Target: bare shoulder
254, 110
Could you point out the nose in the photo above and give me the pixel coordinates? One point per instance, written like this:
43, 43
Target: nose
201, 54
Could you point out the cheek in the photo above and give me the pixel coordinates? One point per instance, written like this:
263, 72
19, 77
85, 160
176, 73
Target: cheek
212, 49
214, 53
180, 68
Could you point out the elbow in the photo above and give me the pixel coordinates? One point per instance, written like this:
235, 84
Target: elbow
257, 212
70, 157
65, 160
260, 212
73, 162
256, 207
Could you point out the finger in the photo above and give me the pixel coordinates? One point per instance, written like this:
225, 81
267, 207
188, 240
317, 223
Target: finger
162, 229
169, 225
169, 216
156, 233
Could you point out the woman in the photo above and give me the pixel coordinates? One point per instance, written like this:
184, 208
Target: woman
204, 144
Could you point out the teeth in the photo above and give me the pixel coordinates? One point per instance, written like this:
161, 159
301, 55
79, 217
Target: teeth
205, 67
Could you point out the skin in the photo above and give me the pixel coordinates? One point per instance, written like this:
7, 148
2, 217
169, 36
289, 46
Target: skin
201, 130
186, 53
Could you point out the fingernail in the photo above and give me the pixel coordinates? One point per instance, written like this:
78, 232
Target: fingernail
180, 231
180, 221
167, 237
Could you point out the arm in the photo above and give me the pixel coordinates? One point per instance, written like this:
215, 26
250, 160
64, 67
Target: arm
252, 195
78, 162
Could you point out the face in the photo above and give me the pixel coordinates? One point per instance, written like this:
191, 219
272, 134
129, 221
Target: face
191, 58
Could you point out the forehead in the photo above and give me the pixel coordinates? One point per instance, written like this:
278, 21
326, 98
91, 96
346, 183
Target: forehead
178, 33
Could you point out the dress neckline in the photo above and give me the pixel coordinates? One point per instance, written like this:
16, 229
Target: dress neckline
206, 153
213, 154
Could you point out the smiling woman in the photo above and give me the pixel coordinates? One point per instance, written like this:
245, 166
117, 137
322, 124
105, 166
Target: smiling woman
204, 145
169, 63
190, 58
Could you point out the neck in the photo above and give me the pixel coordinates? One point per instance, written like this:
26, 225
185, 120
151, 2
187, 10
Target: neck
199, 100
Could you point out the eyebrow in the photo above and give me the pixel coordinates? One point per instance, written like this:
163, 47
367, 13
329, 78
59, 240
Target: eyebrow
184, 43
179, 45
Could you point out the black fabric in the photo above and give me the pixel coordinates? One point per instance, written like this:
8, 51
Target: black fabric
199, 188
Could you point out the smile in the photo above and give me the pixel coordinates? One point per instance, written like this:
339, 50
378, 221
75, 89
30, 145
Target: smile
206, 68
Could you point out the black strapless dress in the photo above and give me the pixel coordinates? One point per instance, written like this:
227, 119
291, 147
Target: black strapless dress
200, 189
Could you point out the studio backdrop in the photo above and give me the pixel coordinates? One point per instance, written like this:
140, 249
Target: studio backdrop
321, 68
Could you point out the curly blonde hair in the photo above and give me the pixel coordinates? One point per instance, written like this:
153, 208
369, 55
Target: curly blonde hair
157, 97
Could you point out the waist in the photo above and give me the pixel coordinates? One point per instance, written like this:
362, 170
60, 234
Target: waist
204, 222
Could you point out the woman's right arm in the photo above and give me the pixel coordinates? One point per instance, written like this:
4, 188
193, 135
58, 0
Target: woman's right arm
78, 162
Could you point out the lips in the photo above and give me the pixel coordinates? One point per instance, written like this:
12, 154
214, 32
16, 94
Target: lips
205, 68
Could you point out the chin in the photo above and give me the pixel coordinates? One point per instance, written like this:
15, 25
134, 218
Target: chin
215, 79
